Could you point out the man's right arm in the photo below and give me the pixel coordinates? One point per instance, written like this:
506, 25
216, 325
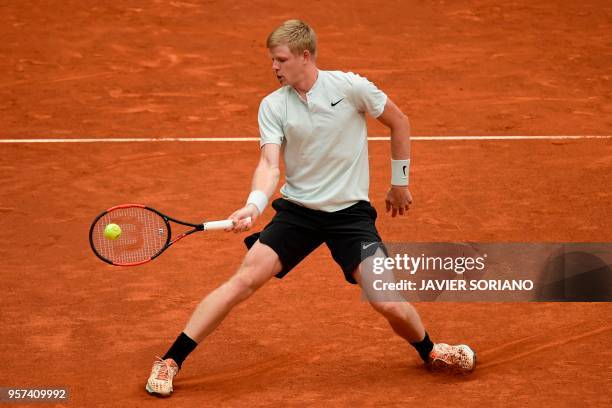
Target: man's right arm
265, 179
267, 172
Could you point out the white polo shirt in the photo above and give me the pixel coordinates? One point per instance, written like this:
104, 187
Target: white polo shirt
324, 139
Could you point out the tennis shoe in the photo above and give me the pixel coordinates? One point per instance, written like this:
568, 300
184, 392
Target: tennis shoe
160, 380
459, 359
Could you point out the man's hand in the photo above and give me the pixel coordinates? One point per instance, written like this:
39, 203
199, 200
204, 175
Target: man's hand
239, 218
398, 199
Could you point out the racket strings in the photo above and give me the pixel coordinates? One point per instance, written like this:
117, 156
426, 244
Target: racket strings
144, 234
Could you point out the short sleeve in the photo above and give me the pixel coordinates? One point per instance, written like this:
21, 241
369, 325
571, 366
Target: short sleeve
270, 127
366, 96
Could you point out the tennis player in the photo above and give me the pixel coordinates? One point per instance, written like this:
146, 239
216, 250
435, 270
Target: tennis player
316, 120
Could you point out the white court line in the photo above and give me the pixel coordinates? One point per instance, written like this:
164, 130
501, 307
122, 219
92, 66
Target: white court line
255, 139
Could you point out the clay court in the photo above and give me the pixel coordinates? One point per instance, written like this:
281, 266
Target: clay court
187, 69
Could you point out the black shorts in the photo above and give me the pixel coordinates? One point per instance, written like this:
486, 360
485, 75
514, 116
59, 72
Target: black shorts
296, 231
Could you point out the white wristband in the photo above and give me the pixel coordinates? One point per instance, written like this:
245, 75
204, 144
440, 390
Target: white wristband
400, 171
259, 199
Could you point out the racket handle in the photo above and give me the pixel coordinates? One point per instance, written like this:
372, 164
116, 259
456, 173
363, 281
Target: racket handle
220, 225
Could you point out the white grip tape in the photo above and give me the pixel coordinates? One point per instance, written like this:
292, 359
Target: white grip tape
221, 225
400, 172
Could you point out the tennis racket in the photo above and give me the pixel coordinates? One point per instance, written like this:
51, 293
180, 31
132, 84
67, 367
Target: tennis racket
145, 234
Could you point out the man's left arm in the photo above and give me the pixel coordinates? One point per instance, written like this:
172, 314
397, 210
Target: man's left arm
398, 197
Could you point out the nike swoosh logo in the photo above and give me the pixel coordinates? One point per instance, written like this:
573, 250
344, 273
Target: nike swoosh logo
404, 170
369, 245
335, 103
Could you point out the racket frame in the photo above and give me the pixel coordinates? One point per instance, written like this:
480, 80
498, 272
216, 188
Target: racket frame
169, 240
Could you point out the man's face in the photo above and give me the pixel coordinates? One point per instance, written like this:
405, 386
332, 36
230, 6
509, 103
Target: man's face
288, 67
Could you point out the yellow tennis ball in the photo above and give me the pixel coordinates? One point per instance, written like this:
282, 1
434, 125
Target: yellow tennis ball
112, 231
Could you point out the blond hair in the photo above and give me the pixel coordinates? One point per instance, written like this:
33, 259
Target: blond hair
295, 34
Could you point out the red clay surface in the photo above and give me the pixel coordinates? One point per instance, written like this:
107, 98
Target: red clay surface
77, 69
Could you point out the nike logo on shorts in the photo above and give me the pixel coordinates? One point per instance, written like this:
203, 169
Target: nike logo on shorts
366, 246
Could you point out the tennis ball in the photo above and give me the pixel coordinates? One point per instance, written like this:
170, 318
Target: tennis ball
112, 231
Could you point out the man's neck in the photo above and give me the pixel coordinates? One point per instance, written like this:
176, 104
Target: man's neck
306, 84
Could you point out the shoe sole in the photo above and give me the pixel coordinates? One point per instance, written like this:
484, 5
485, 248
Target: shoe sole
157, 394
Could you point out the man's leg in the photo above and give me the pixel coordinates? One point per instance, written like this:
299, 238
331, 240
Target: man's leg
406, 322
259, 265
401, 315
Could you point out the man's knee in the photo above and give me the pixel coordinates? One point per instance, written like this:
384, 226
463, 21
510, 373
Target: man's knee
391, 310
258, 266
241, 286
